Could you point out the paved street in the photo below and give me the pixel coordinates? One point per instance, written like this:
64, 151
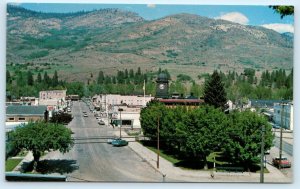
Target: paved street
98, 161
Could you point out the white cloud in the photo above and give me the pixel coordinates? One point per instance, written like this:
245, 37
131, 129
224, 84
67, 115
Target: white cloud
280, 28
234, 17
151, 5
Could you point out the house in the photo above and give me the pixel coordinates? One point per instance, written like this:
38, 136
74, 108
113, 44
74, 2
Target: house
25, 113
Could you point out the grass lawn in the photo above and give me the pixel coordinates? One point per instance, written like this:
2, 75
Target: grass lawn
10, 164
167, 157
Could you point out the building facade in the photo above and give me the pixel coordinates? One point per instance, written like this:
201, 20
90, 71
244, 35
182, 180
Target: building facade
110, 100
283, 114
53, 98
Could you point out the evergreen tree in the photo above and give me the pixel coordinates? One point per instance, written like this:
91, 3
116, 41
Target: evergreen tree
39, 78
8, 77
100, 79
46, 78
29, 78
214, 92
126, 73
55, 79
131, 73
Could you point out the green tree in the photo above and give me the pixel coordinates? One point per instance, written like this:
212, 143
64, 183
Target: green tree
100, 79
40, 136
46, 79
206, 129
214, 92
39, 78
55, 79
61, 117
244, 138
8, 77
283, 10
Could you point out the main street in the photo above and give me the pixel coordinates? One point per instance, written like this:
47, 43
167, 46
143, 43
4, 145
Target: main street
98, 161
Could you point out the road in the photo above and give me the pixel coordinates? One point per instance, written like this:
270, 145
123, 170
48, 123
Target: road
287, 151
98, 161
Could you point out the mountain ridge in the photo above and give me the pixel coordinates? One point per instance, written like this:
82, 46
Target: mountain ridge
113, 39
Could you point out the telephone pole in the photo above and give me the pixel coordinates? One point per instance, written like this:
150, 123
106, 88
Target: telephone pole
281, 125
262, 154
157, 143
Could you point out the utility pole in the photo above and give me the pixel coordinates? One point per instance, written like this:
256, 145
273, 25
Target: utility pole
262, 154
157, 143
120, 110
281, 125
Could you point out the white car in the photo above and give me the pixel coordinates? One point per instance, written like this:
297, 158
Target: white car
85, 115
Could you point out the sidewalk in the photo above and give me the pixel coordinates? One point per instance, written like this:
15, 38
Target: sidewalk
28, 158
176, 174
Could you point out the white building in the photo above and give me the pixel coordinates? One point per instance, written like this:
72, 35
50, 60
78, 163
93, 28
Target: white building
130, 104
54, 99
111, 100
283, 113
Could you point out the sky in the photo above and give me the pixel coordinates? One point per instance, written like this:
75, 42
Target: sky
242, 14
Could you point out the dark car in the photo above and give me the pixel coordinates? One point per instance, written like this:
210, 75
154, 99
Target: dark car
101, 122
119, 142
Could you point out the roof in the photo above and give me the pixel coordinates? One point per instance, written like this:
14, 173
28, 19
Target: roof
181, 101
25, 110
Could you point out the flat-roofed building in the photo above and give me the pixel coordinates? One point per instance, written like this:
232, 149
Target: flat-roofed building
25, 113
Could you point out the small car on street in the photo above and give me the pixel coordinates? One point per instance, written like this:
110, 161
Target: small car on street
101, 122
119, 142
109, 141
85, 115
284, 163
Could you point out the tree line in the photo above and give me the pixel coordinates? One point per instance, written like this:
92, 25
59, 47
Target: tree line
245, 85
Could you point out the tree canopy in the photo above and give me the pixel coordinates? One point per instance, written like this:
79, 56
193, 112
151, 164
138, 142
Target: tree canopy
283, 10
194, 134
41, 136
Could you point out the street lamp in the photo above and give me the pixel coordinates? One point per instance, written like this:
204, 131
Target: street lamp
120, 110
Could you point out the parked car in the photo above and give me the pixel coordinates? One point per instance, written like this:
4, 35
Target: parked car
101, 122
284, 163
85, 115
109, 141
119, 142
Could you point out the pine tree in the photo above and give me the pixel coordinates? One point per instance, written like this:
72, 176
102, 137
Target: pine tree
39, 78
100, 79
214, 92
55, 79
8, 77
29, 78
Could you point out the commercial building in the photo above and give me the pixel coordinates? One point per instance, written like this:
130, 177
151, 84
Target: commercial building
108, 101
284, 115
54, 99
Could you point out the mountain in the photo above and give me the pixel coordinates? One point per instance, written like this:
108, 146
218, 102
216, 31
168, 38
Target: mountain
81, 43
